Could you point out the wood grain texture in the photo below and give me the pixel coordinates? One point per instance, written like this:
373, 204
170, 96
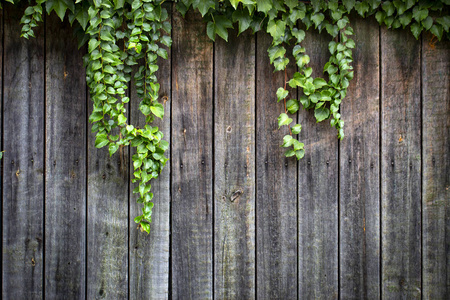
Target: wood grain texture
318, 193
107, 221
436, 166
234, 167
276, 186
23, 160
149, 254
401, 165
192, 170
65, 155
359, 211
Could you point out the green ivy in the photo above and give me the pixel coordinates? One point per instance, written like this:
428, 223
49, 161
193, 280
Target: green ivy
123, 33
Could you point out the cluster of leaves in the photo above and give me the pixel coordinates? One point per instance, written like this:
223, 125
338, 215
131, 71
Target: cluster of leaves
286, 21
124, 33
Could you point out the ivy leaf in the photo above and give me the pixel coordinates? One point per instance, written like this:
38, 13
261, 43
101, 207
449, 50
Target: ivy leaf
388, 7
321, 114
291, 4
300, 154
221, 26
349, 4
416, 29
445, 22
317, 19
287, 141
420, 14
437, 30
275, 52
362, 7
292, 106
319, 82
427, 23
101, 140
203, 5
298, 34
145, 226
211, 30
58, 6
284, 119
243, 18
264, 6
113, 147
276, 28
289, 153
281, 94
296, 129
406, 18
158, 110
118, 4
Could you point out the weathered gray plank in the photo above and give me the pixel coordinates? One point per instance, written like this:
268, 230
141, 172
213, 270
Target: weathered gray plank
401, 165
107, 221
65, 156
360, 170
192, 145
149, 254
318, 193
234, 167
276, 186
23, 160
436, 167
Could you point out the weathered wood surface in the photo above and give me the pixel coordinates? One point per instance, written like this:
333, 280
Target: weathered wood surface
234, 168
23, 161
436, 166
318, 194
276, 186
366, 217
149, 254
400, 165
192, 159
359, 164
65, 160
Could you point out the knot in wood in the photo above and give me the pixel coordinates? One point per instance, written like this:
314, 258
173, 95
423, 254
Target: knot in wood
236, 195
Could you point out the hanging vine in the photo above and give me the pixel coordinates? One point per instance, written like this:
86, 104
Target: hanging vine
124, 33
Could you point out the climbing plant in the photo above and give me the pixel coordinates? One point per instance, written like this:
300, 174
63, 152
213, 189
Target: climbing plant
123, 33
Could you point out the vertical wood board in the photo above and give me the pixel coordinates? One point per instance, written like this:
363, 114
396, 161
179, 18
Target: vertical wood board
401, 165
65, 156
276, 187
192, 169
149, 254
359, 211
318, 192
23, 182
436, 167
234, 167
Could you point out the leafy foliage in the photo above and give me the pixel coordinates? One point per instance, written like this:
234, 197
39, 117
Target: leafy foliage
123, 33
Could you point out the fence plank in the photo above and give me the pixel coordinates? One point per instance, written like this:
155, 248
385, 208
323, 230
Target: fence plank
318, 193
192, 144
107, 221
436, 166
65, 204
276, 187
360, 171
401, 165
149, 254
234, 168
23, 182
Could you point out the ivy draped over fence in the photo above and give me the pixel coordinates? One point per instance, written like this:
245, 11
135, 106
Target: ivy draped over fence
123, 33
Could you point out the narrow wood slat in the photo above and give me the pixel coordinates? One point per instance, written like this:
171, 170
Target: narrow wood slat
149, 254
23, 160
359, 213
436, 167
234, 167
318, 193
401, 165
276, 186
107, 220
192, 171
65, 188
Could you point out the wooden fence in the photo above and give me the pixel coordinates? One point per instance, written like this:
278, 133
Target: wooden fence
366, 217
